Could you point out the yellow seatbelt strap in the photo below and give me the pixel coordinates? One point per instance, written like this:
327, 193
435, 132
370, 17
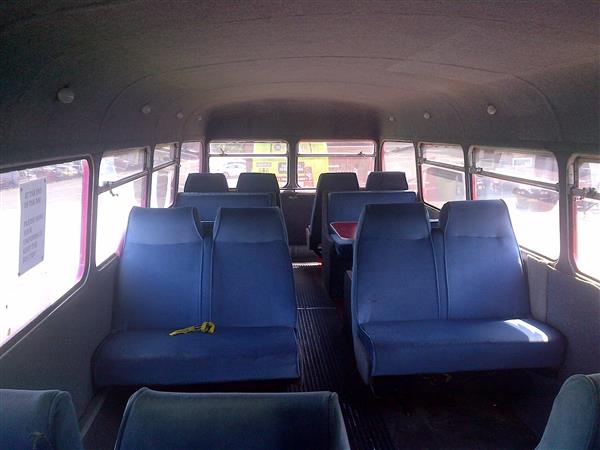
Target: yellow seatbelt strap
204, 327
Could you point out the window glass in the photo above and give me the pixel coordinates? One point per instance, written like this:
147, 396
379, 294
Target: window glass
443, 153
121, 164
247, 147
537, 166
441, 185
162, 187
400, 156
163, 153
533, 212
233, 158
317, 157
191, 158
63, 243
113, 212
587, 217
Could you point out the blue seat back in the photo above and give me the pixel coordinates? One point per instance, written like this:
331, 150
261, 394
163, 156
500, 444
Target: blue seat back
484, 272
208, 204
38, 420
167, 420
347, 206
259, 182
386, 181
328, 182
575, 417
159, 276
394, 275
252, 280
206, 182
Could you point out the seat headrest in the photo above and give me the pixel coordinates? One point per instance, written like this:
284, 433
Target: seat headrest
38, 419
394, 221
163, 226
476, 218
386, 181
206, 182
257, 182
340, 181
249, 225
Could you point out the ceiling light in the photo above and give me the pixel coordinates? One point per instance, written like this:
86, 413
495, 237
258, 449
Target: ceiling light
65, 95
426, 115
179, 115
491, 109
391, 118
146, 109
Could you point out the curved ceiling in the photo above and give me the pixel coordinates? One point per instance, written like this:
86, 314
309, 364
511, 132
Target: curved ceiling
538, 62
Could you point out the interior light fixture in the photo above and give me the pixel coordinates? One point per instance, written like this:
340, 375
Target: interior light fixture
146, 109
426, 115
491, 109
65, 95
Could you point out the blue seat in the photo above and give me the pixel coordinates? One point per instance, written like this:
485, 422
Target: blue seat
328, 182
206, 182
574, 421
452, 300
386, 181
41, 420
158, 289
208, 204
165, 272
259, 182
168, 421
253, 289
346, 207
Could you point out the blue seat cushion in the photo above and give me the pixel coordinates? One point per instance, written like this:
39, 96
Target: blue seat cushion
152, 357
439, 346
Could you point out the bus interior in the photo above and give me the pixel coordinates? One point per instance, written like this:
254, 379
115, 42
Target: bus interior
360, 224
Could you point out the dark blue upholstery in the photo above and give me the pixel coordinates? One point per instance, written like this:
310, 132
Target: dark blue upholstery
574, 422
484, 271
176, 421
165, 276
346, 207
40, 420
208, 204
328, 182
386, 181
206, 182
259, 182
406, 319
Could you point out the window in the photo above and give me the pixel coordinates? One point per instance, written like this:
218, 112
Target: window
123, 184
234, 157
162, 191
443, 173
400, 156
586, 202
317, 157
190, 161
528, 182
43, 255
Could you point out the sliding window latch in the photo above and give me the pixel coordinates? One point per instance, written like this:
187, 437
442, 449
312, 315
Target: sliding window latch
581, 193
109, 185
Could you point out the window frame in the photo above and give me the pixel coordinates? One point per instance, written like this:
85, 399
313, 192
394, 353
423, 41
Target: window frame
422, 160
85, 253
298, 155
153, 169
574, 191
287, 155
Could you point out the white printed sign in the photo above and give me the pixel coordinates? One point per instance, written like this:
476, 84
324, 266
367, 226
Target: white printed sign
33, 224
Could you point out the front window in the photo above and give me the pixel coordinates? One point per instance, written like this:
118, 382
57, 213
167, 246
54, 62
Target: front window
232, 158
317, 157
